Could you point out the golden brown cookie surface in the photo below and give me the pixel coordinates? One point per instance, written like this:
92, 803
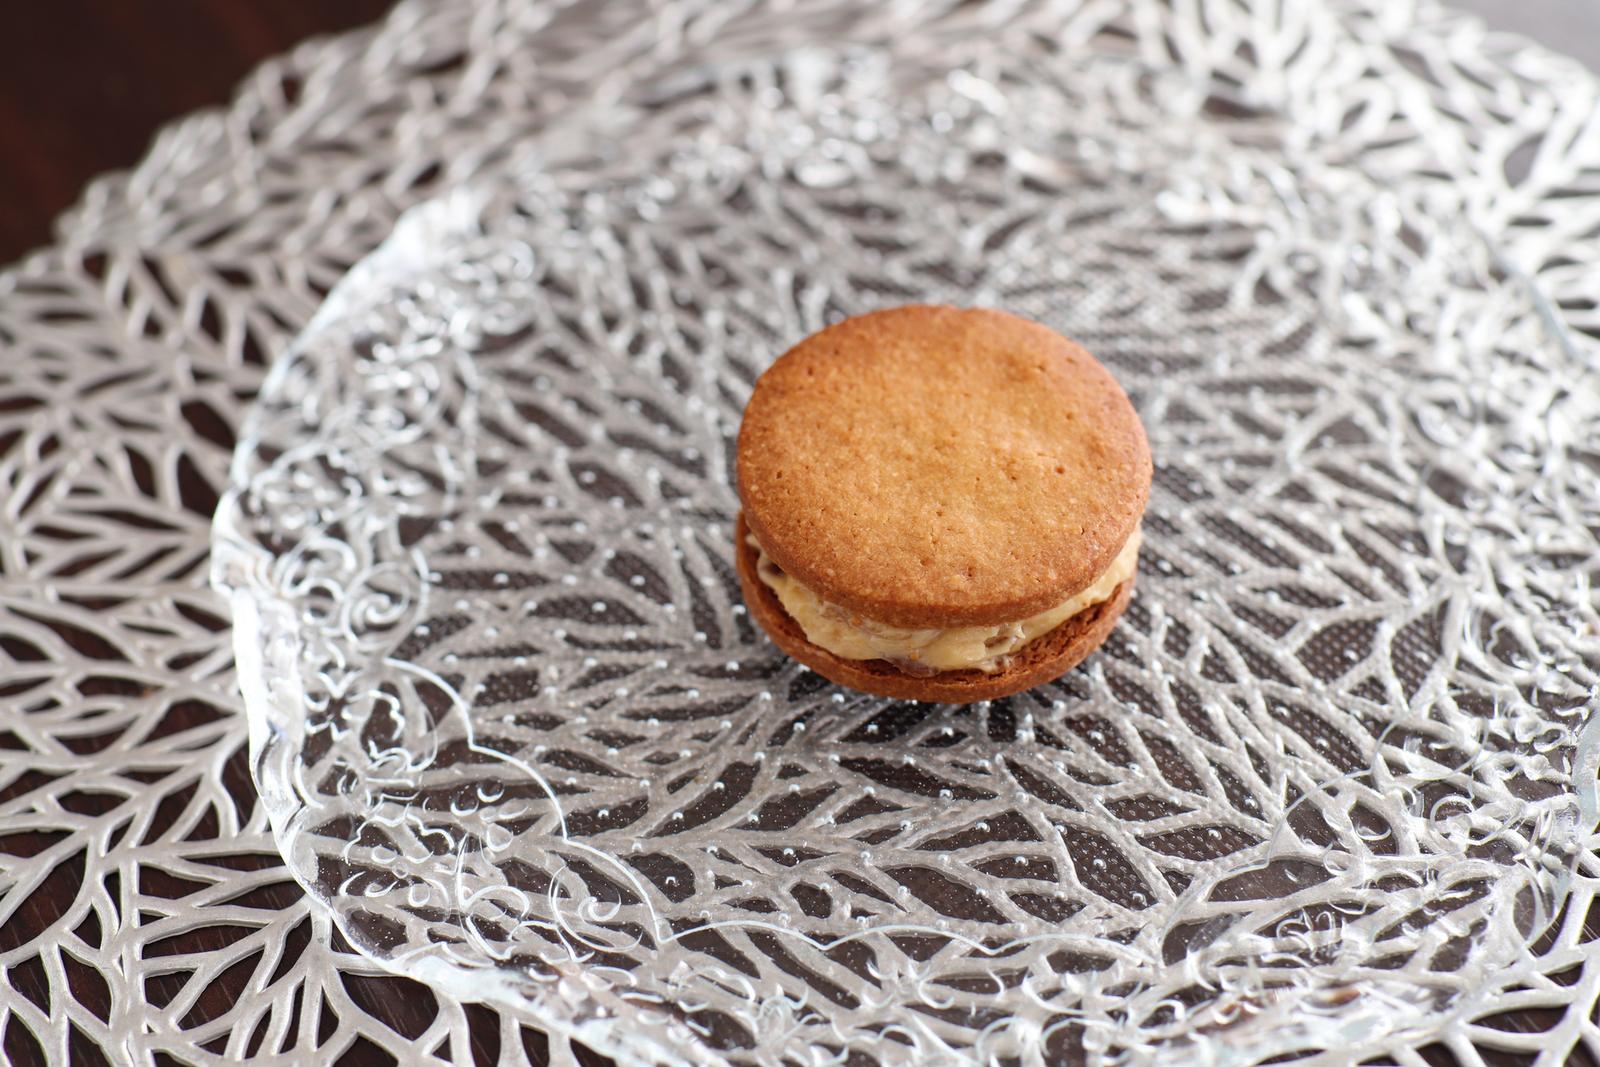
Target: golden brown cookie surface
936, 466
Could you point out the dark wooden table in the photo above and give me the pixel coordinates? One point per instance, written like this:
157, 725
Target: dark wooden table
86, 83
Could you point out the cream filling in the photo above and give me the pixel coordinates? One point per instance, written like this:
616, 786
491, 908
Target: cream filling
850, 636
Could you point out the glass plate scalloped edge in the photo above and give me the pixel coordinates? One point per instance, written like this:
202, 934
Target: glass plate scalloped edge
453, 265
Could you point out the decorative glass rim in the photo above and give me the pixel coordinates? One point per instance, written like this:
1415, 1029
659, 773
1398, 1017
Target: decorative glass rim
442, 227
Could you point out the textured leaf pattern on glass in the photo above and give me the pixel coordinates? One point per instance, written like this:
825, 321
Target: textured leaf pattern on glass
143, 908
518, 723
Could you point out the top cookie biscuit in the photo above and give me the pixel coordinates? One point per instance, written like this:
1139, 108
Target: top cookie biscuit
937, 466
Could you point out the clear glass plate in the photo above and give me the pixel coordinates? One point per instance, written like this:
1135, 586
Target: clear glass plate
514, 728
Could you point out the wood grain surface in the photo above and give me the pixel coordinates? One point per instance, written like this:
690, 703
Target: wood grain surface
85, 84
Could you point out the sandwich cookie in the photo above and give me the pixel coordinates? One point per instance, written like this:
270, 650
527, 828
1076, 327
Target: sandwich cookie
939, 504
